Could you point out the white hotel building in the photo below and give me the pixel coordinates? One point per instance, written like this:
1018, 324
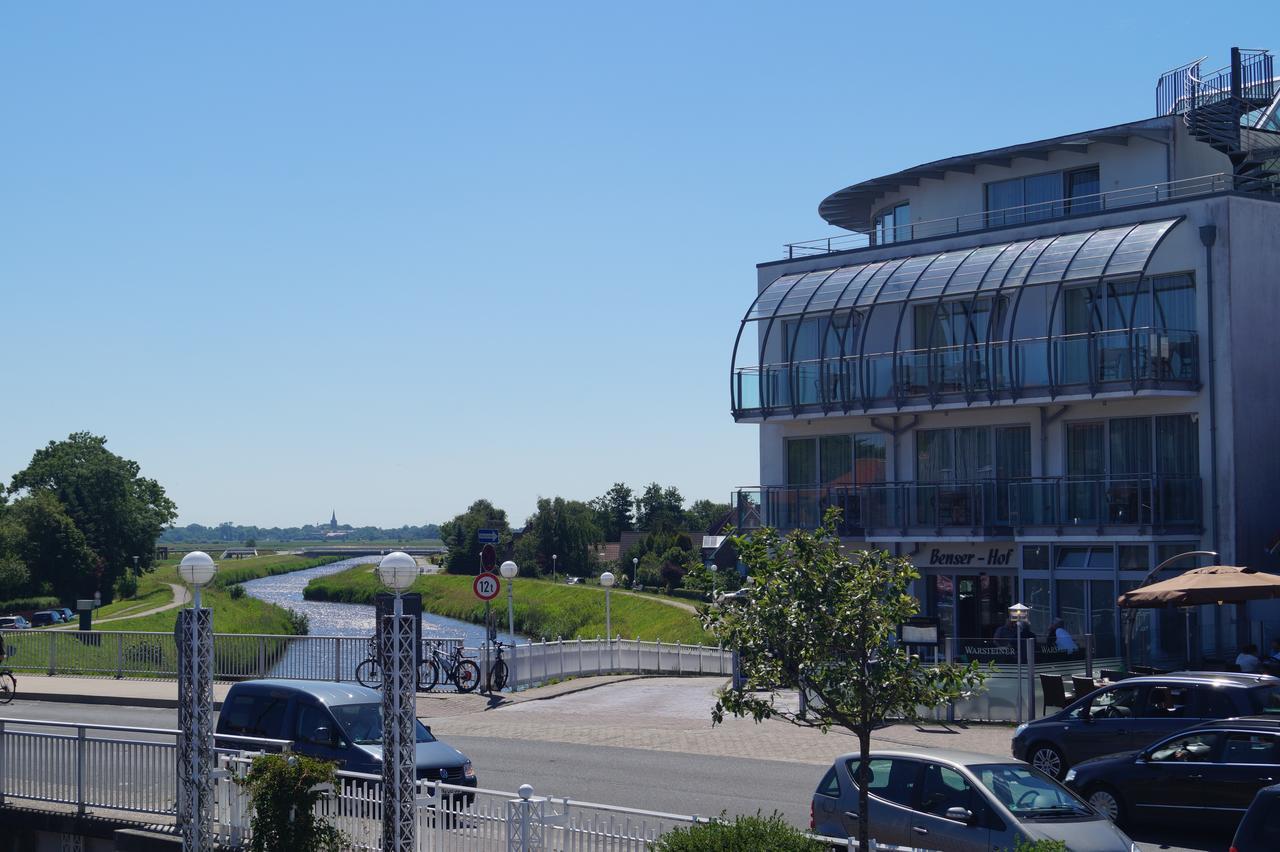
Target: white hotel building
1039, 370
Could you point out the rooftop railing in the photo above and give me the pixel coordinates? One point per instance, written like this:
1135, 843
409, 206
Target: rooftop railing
1092, 362
980, 507
1023, 214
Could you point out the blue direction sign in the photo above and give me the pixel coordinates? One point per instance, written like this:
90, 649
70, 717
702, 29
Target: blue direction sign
487, 536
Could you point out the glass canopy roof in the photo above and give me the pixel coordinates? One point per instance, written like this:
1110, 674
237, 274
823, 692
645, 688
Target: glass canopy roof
1084, 256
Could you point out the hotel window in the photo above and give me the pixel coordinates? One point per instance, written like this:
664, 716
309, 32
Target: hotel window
1126, 470
965, 321
1043, 196
973, 452
892, 225
837, 460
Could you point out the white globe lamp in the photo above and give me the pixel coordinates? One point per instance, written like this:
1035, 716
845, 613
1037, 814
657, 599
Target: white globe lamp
197, 568
509, 569
607, 579
397, 571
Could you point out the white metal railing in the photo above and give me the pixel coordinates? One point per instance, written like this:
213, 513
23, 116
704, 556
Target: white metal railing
538, 662
1026, 214
239, 657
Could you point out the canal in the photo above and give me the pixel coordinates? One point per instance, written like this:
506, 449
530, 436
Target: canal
327, 618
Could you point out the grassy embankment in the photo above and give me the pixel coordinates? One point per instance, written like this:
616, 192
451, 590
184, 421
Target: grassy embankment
241, 614
542, 608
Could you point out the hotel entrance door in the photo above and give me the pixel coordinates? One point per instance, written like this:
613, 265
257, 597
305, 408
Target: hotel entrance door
972, 606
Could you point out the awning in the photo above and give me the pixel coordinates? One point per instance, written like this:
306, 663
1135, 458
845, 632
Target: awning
1084, 256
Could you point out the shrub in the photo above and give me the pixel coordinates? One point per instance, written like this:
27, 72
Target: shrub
744, 834
236, 592
23, 604
299, 624
126, 585
284, 790
1040, 846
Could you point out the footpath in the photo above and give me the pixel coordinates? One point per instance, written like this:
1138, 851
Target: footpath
628, 711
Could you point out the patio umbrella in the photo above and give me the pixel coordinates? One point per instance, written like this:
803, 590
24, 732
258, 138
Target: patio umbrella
1215, 584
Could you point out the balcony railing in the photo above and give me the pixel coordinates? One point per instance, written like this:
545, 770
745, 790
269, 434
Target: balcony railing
981, 507
1026, 214
1089, 362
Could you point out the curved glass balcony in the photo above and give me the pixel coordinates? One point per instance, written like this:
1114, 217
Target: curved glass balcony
1094, 362
1092, 505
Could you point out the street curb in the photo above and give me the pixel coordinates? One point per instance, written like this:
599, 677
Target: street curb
104, 700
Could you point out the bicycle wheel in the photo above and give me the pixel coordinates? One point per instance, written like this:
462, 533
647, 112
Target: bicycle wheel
466, 676
498, 675
8, 687
369, 673
428, 675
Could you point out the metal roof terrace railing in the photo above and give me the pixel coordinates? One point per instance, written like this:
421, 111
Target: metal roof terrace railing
1091, 505
1024, 214
1091, 362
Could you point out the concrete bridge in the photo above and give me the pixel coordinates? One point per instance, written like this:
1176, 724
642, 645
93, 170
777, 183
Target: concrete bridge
356, 549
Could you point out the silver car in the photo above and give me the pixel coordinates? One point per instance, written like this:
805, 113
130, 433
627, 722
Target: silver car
960, 802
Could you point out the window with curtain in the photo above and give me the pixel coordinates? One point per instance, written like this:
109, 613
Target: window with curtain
1043, 196
802, 461
801, 339
1086, 449
973, 452
869, 454
1130, 446
1001, 196
1177, 445
892, 225
935, 460
835, 459
1175, 302
957, 322
1083, 186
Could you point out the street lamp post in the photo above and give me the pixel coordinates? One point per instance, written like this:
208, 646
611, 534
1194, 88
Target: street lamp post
1018, 612
509, 570
607, 580
194, 632
397, 571
553, 567
635, 571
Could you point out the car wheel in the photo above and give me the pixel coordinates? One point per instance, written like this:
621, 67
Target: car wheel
1107, 802
1048, 758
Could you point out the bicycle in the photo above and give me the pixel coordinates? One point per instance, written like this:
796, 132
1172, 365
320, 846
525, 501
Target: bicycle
8, 686
369, 673
498, 669
464, 673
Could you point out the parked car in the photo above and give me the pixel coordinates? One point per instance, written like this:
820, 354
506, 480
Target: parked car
1209, 773
960, 802
1259, 831
341, 722
14, 622
45, 617
1132, 713
67, 614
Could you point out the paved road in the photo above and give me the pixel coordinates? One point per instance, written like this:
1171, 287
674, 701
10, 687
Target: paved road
649, 778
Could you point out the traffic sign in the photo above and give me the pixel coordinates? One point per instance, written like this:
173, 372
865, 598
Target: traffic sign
488, 558
487, 536
486, 587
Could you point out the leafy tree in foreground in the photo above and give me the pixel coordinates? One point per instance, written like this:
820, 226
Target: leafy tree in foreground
462, 536
825, 620
744, 834
119, 513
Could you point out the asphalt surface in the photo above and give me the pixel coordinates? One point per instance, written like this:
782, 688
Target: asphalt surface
643, 778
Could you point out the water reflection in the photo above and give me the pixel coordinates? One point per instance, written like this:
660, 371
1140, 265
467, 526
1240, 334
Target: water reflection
342, 619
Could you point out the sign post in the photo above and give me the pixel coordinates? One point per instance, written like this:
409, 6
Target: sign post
488, 569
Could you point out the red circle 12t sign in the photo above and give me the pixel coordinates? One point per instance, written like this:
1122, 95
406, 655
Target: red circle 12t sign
486, 587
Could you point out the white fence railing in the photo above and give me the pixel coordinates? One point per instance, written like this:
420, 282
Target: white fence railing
119, 654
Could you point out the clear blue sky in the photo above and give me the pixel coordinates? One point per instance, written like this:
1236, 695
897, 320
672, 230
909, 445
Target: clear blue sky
387, 258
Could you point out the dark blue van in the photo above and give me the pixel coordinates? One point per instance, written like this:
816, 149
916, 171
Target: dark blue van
341, 722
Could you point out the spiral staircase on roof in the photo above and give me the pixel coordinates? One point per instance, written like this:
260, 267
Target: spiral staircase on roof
1234, 110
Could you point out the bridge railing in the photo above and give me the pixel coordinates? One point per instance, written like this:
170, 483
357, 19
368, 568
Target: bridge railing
539, 662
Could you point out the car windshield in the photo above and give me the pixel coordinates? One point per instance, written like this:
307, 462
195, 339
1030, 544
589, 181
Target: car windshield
363, 723
1265, 699
1028, 793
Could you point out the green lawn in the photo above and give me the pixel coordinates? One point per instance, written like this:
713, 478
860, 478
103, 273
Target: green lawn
542, 608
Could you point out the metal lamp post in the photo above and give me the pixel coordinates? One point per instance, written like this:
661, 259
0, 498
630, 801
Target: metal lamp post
194, 637
397, 571
635, 572
553, 567
509, 570
1018, 612
607, 580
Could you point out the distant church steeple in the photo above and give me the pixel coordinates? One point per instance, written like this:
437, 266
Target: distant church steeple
333, 520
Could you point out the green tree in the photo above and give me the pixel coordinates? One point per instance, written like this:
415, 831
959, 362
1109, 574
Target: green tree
14, 577
55, 552
565, 528
119, 513
613, 511
461, 536
825, 621
284, 790
702, 515
659, 510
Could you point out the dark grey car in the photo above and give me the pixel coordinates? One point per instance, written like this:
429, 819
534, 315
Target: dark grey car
960, 802
1134, 713
1259, 831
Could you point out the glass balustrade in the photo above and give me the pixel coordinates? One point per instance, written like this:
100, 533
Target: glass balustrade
1004, 506
1087, 362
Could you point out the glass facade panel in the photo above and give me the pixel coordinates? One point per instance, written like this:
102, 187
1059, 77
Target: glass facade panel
835, 454
869, 454
1072, 607
934, 459
1002, 195
1102, 617
1135, 557
1035, 557
1035, 594
1130, 446
1042, 196
1082, 183
802, 461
